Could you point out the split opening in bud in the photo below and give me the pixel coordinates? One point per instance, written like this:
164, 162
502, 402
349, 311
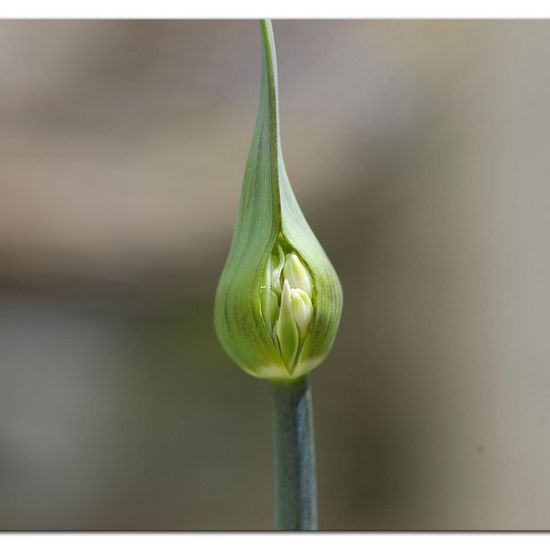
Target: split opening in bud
286, 298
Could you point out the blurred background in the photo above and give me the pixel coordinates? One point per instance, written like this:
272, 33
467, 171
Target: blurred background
419, 153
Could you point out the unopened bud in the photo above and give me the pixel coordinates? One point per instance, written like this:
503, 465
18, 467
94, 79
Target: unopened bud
279, 300
286, 330
296, 273
302, 309
287, 319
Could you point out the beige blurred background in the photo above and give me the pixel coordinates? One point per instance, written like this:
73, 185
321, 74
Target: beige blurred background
419, 153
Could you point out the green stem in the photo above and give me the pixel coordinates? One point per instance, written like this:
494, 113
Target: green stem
294, 441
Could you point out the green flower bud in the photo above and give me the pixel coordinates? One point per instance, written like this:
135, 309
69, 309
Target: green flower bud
269, 307
276, 271
288, 337
279, 300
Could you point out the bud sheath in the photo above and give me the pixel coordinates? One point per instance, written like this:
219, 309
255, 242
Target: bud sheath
279, 300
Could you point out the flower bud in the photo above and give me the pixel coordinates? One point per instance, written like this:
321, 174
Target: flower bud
296, 273
286, 330
276, 271
302, 309
279, 300
287, 319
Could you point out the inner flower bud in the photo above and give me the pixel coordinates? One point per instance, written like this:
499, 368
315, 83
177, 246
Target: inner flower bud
286, 304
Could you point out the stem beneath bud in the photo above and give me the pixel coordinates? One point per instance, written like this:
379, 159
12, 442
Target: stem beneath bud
294, 441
